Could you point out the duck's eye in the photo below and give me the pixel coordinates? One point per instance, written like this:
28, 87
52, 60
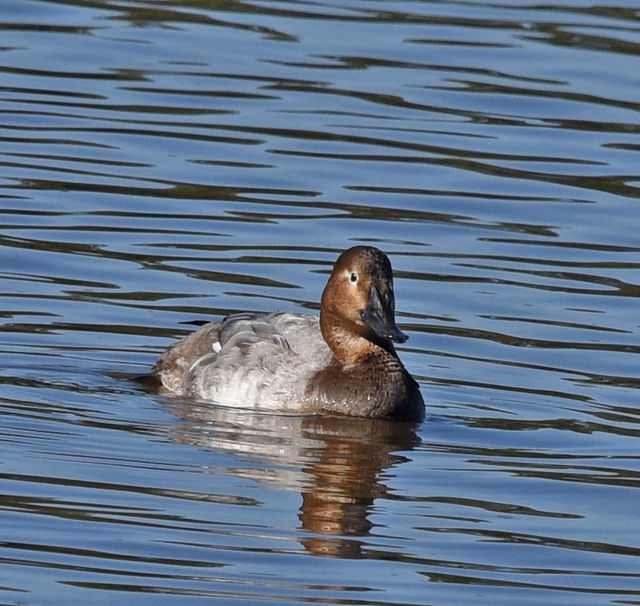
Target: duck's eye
353, 277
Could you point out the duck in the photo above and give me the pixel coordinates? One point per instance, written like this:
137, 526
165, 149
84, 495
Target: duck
343, 362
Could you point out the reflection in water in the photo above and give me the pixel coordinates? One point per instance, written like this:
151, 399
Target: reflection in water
335, 462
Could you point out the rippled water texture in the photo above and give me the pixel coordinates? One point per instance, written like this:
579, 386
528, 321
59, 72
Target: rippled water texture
165, 163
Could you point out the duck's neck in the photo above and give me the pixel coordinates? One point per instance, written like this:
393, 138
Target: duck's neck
351, 343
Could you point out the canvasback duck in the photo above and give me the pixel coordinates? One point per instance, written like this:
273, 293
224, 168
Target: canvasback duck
344, 363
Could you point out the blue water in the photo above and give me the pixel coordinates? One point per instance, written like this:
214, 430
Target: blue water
165, 163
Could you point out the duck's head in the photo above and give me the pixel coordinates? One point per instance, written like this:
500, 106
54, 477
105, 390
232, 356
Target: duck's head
358, 301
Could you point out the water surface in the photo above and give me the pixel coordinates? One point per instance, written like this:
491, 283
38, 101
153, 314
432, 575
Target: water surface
165, 163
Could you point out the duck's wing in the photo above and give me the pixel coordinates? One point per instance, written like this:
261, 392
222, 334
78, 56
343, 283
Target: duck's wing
169, 371
246, 358
263, 361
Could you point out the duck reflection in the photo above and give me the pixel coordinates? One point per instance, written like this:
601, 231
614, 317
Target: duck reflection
334, 462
